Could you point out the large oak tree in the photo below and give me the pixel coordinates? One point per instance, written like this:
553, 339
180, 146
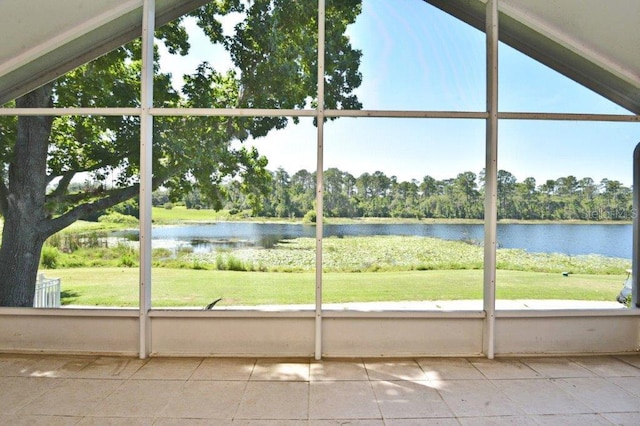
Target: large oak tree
274, 51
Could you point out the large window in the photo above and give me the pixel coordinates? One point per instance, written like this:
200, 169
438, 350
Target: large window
395, 131
249, 242
572, 204
403, 210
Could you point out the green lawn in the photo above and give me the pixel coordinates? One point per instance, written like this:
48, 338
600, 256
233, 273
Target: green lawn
183, 287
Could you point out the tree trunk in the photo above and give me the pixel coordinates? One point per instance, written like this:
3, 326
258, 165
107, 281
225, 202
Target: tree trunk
19, 260
23, 204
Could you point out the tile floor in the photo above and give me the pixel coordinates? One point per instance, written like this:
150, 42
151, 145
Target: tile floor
60, 390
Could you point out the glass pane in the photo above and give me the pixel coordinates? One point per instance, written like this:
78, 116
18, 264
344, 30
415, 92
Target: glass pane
251, 55
241, 234
76, 177
403, 207
415, 57
112, 80
527, 85
565, 203
66, 186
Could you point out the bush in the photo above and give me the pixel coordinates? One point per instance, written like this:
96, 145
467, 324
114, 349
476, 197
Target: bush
115, 217
127, 261
161, 253
231, 263
198, 265
49, 257
310, 217
220, 263
127, 208
235, 264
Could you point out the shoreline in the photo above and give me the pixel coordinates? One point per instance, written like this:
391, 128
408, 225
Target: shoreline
389, 221
86, 226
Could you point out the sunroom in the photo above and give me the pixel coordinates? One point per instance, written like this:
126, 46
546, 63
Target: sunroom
544, 89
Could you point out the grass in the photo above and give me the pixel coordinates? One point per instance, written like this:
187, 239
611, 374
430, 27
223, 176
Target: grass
180, 214
196, 288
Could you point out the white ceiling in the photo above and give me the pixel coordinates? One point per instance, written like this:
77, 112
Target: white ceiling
595, 42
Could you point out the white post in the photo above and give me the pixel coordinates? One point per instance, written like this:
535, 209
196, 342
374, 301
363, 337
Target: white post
635, 248
491, 180
319, 179
146, 140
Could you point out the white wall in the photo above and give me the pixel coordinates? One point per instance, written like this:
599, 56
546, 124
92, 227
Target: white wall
345, 334
69, 331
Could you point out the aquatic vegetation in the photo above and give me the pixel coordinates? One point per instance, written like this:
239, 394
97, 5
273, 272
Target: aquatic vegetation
347, 254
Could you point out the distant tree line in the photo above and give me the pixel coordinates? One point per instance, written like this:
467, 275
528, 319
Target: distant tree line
378, 195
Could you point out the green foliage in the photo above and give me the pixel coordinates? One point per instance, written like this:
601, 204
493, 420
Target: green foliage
49, 257
69, 242
115, 217
274, 65
180, 214
378, 195
127, 208
310, 217
197, 265
349, 254
159, 197
127, 261
228, 262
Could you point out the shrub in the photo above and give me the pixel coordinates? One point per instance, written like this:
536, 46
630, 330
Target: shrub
220, 263
198, 265
115, 217
230, 263
161, 253
310, 217
127, 261
235, 264
49, 257
127, 208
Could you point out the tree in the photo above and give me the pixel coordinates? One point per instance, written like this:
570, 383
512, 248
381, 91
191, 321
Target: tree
274, 54
567, 185
281, 197
338, 191
506, 189
428, 186
525, 194
467, 195
303, 191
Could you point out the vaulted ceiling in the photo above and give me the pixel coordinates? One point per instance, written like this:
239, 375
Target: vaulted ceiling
594, 42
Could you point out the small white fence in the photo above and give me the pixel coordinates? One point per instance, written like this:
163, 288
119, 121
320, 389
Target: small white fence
47, 292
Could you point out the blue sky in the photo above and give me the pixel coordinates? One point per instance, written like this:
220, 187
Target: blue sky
417, 57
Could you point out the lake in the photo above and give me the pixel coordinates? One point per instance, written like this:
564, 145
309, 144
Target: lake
572, 239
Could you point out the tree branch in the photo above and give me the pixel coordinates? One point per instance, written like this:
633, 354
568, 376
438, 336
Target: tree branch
114, 197
62, 185
59, 223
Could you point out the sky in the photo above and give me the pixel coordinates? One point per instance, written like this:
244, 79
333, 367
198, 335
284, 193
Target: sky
416, 57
